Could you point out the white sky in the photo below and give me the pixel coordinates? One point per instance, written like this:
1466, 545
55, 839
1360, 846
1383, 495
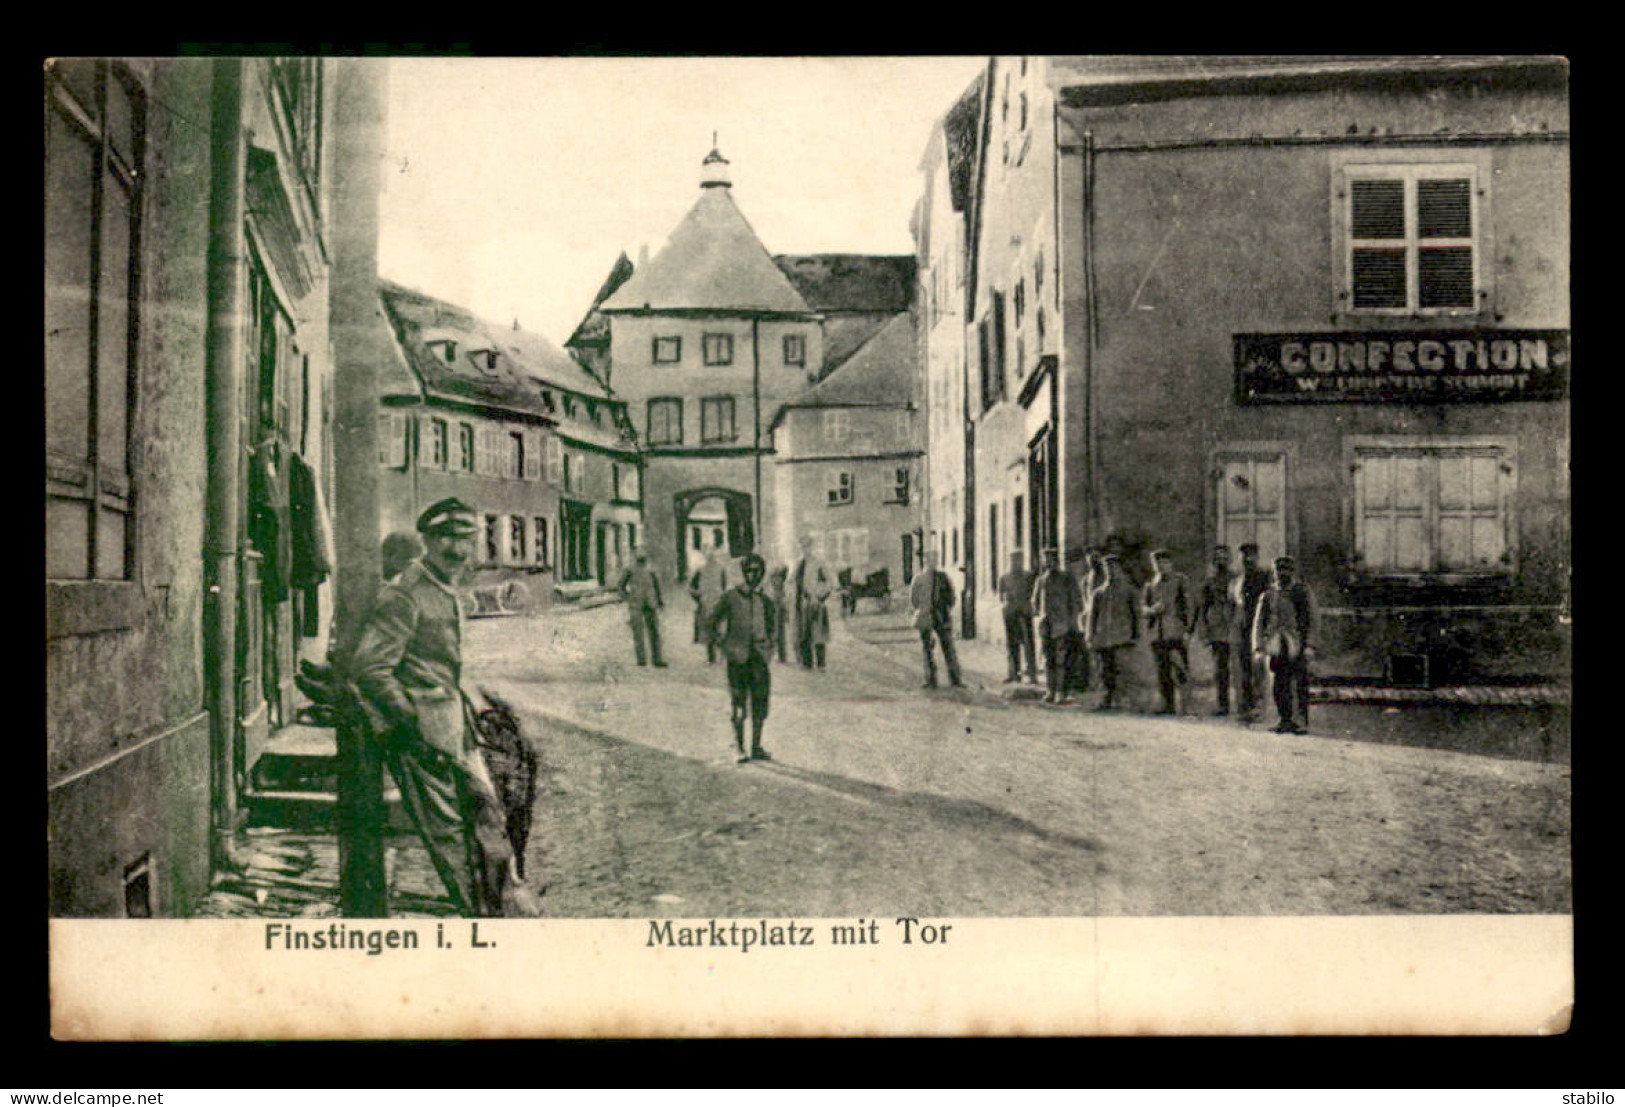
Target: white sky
510, 185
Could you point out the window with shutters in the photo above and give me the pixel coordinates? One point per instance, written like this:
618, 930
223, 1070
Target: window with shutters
436, 444
392, 431
795, 349
1251, 500
516, 540
718, 349
665, 421
465, 447
1432, 507
839, 490
514, 467
717, 419
94, 137
898, 493
1410, 236
532, 446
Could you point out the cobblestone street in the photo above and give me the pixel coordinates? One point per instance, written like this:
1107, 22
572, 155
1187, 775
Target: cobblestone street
882, 796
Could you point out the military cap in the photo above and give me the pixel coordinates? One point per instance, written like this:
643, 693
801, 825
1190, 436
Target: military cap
1285, 563
450, 516
1245, 546
750, 561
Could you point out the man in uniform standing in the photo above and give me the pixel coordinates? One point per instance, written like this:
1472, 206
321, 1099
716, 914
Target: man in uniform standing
1114, 624
1165, 603
1016, 599
1057, 605
742, 623
1215, 621
814, 582
932, 598
641, 590
1249, 587
1281, 632
408, 671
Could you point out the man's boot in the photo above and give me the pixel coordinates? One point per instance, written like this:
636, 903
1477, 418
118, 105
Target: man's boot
757, 753
739, 742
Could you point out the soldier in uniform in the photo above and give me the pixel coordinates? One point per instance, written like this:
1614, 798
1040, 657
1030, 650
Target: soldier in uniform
1165, 603
641, 590
408, 671
1246, 590
1215, 621
1057, 604
1282, 632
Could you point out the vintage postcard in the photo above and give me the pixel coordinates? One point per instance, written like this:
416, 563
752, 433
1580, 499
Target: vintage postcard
631, 547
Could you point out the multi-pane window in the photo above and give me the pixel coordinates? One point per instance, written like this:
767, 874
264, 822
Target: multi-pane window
1432, 508
1411, 235
837, 425
840, 488
555, 461
665, 421
465, 447
899, 488
516, 539
492, 538
668, 350
94, 132
718, 349
392, 439
795, 349
539, 546
717, 419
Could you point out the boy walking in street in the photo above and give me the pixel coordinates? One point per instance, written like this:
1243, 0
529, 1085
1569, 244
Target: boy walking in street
1165, 603
742, 623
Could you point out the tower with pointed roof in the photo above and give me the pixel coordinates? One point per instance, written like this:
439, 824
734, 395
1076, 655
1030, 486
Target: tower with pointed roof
708, 340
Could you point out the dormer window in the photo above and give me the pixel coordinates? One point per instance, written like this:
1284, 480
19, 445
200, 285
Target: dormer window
485, 360
547, 401
445, 348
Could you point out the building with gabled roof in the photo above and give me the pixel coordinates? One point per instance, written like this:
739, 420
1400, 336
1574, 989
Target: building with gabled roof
521, 431
847, 458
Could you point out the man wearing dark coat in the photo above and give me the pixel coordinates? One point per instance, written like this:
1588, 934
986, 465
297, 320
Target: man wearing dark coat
1165, 602
1215, 620
408, 671
1247, 589
1058, 606
932, 598
1016, 602
641, 590
742, 623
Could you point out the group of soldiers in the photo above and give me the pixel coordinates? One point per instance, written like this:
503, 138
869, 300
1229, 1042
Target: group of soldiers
1249, 618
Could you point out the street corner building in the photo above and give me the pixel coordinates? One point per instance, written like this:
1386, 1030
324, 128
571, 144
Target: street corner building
1316, 303
722, 353
520, 431
202, 217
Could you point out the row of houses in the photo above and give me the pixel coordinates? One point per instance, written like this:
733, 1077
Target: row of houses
1320, 304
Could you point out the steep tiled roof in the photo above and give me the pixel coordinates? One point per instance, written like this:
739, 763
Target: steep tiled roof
844, 335
880, 373
527, 366
851, 282
713, 260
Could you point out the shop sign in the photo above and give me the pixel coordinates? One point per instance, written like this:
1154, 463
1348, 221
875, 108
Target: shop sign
1402, 367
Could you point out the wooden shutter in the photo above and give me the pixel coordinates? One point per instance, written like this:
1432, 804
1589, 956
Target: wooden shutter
1444, 231
426, 442
555, 461
533, 454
